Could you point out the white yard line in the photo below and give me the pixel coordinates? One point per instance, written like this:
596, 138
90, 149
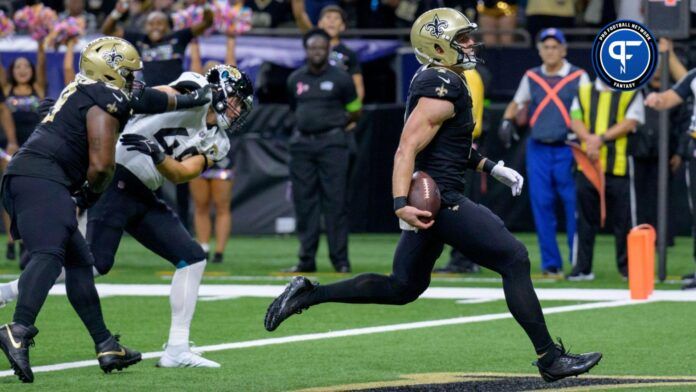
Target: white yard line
456, 293
344, 333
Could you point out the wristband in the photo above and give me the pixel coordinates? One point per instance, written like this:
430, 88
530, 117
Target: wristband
488, 165
115, 15
400, 202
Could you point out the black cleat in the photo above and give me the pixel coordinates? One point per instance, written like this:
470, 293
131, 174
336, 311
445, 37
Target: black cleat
568, 364
15, 340
217, 258
288, 303
112, 355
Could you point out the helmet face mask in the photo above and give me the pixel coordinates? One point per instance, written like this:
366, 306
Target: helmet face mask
112, 61
233, 96
438, 37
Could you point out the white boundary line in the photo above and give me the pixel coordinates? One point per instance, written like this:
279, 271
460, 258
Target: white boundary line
344, 333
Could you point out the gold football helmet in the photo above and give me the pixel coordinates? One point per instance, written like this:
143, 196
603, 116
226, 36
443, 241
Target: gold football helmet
434, 37
111, 60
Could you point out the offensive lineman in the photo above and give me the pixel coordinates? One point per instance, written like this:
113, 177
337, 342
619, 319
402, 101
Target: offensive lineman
438, 131
71, 154
177, 146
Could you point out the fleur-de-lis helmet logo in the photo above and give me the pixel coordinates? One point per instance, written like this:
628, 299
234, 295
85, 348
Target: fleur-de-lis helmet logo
436, 27
112, 58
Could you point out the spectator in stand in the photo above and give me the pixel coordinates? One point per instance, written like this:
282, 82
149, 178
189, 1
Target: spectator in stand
76, 9
549, 160
161, 49
269, 14
25, 88
497, 15
137, 15
213, 188
543, 14
604, 119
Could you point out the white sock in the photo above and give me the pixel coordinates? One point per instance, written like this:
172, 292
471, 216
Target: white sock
206, 247
9, 291
182, 298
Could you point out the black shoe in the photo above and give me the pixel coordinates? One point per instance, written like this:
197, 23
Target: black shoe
15, 340
689, 277
690, 286
299, 269
344, 269
10, 254
568, 364
112, 355
287, 303
217, 258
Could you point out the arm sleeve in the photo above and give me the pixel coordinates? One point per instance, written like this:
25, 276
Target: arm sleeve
683, 86
522, 95
184, 36
150, 101
475, 158
636, 110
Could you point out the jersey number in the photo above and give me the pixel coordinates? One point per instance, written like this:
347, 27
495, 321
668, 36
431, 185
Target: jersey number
161, 137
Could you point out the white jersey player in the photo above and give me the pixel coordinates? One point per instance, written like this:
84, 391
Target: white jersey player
177, 146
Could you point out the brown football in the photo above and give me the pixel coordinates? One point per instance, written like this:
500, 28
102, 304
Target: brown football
424, 194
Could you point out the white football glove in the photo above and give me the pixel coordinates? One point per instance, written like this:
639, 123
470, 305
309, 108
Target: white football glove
508, 177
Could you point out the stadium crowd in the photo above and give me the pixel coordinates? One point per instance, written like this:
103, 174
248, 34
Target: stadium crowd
164, 31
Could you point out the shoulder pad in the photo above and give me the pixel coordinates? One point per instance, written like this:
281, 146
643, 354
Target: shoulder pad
190, 80
439, 83
111, 100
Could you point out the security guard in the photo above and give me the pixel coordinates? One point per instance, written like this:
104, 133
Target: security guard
548, 91
603, 119
324, 100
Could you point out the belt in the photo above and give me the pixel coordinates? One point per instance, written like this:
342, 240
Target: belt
548, 142
321, 135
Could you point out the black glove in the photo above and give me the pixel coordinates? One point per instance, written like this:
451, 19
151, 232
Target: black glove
85, 197
195, 98
507, 132
45, 106
144, 145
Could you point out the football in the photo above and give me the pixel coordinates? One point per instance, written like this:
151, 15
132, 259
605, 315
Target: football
424, 194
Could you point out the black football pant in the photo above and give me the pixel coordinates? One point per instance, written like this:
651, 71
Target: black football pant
319, 175
618, 205
43, 215
691, 184
128, 205
480, 235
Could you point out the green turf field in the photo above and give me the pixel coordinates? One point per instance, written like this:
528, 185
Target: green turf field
647, 346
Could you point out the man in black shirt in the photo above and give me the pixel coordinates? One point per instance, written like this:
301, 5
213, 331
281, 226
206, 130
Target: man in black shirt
437, 139
162, 50
332, 19
324, 101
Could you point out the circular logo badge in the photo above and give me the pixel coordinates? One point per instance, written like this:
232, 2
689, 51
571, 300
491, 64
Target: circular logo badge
624, 55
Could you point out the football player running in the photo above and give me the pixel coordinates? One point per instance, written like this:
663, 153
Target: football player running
70, 156
437, 133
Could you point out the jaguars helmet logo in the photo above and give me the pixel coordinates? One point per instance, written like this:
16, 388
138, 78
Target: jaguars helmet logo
436, 27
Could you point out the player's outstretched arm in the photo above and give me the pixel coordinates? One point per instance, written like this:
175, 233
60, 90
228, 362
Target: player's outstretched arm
154, 100
101, 137
420, 128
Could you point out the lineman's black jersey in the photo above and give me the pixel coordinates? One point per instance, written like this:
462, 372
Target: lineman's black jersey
58, 149
445, 158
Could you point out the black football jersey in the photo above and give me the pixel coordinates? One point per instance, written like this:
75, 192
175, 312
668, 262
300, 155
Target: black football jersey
58, 149
445, 158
